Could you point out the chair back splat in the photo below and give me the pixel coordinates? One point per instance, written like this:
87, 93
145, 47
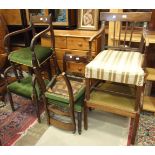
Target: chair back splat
115, 77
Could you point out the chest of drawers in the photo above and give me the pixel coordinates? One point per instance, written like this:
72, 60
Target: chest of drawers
75, 42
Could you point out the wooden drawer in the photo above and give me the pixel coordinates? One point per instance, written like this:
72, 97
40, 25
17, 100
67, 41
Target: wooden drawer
79, 43
60, 53
60, 42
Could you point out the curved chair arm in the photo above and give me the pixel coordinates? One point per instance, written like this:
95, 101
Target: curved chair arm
7, 37
70, 91
6, 72
101, 31
51, 83
37, 36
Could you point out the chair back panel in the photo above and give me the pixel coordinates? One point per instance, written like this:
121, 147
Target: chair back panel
41, 19
126, 16
68, 58
126, 25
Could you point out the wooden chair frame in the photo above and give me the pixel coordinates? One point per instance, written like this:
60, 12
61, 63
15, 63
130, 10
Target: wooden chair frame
34, 97
66, 76
143, 48
36, 66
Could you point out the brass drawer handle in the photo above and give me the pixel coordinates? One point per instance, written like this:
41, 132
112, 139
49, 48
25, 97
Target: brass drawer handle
79, 69
80, 44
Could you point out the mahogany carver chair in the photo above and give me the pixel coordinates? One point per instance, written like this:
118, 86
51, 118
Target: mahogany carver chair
35, 51
118, 69
27, 87
65, 95
3, 59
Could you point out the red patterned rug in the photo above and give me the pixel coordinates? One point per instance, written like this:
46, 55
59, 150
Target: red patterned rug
15, 124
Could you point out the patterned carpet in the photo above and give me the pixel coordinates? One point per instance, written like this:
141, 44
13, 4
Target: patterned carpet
14, 125
146, 131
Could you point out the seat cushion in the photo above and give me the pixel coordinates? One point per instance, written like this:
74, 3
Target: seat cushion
24, 55
24, 87
59, 92
118, 66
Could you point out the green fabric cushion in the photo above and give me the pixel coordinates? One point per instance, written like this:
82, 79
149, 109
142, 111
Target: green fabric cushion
112, 100
59, 91
24, 55
77, 107
24, 87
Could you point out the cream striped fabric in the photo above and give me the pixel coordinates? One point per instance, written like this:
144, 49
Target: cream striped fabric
117, 66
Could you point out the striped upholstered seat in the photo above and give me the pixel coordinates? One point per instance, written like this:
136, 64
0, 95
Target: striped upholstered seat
117, 66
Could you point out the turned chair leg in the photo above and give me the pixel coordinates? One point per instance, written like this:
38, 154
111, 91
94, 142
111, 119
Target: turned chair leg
79, 115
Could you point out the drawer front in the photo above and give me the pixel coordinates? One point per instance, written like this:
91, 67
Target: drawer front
60, 42
79, 43
60, 53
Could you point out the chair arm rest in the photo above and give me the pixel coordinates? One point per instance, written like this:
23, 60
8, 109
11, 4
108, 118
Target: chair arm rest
70, 91
7, 37
51, 83
5, 74
102, 30
37, 36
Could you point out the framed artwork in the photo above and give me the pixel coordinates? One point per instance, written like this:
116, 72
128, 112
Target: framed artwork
88, 19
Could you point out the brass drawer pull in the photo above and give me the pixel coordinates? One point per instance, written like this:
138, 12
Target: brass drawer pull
80, 44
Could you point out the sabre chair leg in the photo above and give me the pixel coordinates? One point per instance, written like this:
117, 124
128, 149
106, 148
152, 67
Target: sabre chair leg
79, 115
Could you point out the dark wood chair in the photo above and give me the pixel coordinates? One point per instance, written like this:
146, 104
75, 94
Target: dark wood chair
3, 58
118, 69
35, 55
27, 88
65, 95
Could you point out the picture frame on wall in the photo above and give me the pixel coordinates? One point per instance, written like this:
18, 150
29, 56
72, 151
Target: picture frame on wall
88, 19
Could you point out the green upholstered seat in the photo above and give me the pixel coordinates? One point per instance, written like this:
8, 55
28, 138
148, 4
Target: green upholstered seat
59, 93
112, 100
24, 87
24, 55
77, 106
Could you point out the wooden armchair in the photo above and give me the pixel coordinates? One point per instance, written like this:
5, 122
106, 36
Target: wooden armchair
118, 69
27, 87
65, 95
34, 56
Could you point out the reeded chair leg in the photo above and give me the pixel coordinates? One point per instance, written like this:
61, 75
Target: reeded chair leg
11, 101
79, 115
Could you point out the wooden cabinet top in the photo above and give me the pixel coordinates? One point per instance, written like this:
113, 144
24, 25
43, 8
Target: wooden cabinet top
74, 33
